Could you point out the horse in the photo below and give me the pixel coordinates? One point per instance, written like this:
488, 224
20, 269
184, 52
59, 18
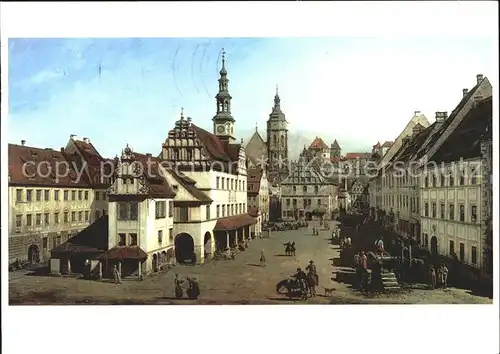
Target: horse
288, 249
293, 286
292, 249
312, 282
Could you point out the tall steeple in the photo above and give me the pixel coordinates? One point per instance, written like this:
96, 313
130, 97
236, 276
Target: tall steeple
277, 100
277, 141
223, 120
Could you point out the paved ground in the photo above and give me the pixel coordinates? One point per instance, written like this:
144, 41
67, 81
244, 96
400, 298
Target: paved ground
240, 281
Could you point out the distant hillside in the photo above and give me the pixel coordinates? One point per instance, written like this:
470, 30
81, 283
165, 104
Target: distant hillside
297, 140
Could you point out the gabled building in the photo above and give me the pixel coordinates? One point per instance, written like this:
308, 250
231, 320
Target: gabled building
319, 148
452, 190
432, 187
51, 198
97, 169
258, 197
306, 192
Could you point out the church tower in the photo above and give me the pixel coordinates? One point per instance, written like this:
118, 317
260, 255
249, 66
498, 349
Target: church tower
223, 120
277, 139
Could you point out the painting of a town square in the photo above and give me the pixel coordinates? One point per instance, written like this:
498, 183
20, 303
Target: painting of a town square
175, 171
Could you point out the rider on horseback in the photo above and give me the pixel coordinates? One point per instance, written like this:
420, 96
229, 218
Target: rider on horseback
311, 270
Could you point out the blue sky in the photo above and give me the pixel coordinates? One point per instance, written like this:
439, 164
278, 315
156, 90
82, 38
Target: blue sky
358, 90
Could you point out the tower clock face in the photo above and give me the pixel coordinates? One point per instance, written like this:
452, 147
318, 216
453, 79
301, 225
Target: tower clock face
221, 129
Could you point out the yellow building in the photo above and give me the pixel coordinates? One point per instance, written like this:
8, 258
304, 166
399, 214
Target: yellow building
50, 200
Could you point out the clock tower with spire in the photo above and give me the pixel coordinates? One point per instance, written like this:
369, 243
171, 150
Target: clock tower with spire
223, 120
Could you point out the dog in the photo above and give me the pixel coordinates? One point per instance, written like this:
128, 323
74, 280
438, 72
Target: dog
328, 291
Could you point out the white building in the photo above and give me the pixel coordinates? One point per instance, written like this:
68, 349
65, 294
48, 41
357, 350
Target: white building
215, 165
306, 192
451, 189
431, 187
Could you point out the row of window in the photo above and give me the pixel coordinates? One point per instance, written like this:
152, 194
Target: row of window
451, 212
462, 180
461, 251
306, 202
46, 195
49, 218
228, 210
402, 201
130, 239
430, 181
231, 184
305, 189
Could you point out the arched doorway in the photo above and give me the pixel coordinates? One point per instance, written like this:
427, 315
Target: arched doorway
164, 257
434, 245
207, 241
155, 262
33, 254
184, 248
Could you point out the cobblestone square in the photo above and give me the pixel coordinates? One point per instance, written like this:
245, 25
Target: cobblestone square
239, 281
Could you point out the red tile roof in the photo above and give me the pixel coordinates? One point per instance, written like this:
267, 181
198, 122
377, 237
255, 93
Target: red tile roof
357, 155
158, 187
97, 167
43, 167
189, 185
234, 222
318, 144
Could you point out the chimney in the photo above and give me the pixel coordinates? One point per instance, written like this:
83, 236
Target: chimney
149, 155
479, 78
417, 129
441, 116
465, 92
23, 142
86, 140
189, 119
417, 112
72, 137
62, 149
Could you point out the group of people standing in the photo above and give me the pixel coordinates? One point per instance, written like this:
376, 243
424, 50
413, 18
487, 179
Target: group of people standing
192, 291
438, 276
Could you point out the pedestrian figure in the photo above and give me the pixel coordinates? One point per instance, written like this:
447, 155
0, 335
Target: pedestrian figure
262, 258
179, 292
432, 277
363, 284
116, 275
193, 291
444, 276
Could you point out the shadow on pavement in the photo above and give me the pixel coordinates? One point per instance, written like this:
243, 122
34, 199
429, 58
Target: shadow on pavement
285, 299
40, 272
254, 265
